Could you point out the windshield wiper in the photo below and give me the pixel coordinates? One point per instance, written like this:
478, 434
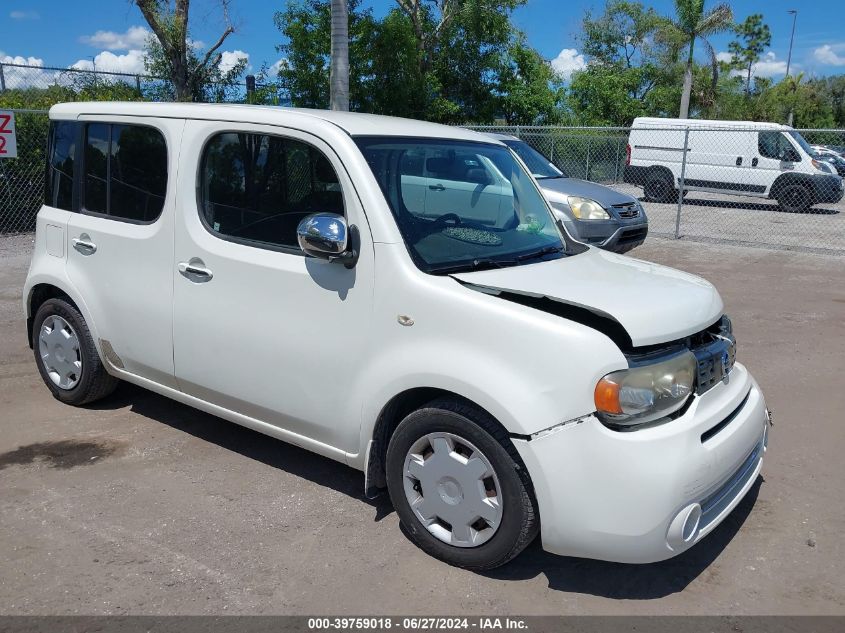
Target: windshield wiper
546, 250
476, 264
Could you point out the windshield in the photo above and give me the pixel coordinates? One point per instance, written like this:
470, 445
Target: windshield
462, 205
796, 136
539, 165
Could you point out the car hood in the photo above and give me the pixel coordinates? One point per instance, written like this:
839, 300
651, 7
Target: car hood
556, 189
653, 303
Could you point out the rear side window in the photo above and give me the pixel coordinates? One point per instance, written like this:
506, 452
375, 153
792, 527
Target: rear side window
60, 164
125, 171
257, 187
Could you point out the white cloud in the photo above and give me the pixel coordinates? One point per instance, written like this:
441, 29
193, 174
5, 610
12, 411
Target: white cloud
567, 62
768, 66
130, 62
228, 59
829, 54
33, 75
134, 38
273, 71
24, 15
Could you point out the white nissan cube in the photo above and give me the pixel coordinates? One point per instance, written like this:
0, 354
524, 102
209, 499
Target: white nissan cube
290, 271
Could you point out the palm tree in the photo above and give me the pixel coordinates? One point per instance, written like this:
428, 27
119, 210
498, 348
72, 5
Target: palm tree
693, 23
339, 72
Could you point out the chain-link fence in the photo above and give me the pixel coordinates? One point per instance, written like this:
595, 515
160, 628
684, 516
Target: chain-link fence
751, 184
22, 178
30, 86
767, 187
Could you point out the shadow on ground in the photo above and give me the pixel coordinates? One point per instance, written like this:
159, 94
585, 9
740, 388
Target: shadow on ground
751, 206
577, 575
251, 444
629, 582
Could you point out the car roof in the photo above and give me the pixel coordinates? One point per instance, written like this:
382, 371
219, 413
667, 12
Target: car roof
353, 123
501, 137
706, 123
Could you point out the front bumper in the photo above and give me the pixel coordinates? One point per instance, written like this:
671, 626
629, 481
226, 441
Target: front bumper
612, 235
633, 496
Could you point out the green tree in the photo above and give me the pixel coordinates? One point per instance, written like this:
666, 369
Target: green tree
754, 38
174, 55
205, 83
691, 24
530, 91
621, 35
630, 72
306, 26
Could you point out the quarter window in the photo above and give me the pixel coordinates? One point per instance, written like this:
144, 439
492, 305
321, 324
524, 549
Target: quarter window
60, 165
125, 171
258, 187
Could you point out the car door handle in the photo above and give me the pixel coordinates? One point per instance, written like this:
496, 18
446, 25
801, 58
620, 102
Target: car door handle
195, 271
84, 245
738, 161
437, 187
754, 161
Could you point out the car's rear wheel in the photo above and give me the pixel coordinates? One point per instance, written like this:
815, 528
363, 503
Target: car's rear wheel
66, 356
794, 198
459, 486
660, 188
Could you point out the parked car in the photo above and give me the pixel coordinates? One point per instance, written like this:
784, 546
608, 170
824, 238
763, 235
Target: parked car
743, 158
836, 149
832, 158
276, 267
592, 213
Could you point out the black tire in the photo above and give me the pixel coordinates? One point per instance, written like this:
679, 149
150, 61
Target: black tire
520, 519
794, 198
94, 382
660, 188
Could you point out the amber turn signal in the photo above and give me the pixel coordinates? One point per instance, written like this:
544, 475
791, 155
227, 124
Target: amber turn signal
607, 397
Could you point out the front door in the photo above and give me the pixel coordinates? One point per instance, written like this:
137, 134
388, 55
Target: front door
259, 328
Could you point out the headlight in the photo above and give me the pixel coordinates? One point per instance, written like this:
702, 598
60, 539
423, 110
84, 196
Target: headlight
586, 209
647, 392
822, 166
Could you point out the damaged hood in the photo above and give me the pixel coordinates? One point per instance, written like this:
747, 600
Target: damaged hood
653, 303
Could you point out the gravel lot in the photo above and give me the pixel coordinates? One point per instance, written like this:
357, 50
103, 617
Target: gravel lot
708, 216
141, 505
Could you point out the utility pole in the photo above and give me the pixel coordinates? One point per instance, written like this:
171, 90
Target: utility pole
794, 14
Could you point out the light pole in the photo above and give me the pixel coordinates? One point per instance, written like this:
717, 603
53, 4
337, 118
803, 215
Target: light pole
794, 14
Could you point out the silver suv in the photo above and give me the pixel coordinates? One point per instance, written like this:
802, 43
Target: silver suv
592, 213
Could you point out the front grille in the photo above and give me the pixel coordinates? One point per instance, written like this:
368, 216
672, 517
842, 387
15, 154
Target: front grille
714, 361
627, 210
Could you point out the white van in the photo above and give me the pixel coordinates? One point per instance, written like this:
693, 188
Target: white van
277, 268
744, 158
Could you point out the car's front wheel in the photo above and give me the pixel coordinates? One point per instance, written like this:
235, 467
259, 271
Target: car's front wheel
794, 198
459, 486
66, 356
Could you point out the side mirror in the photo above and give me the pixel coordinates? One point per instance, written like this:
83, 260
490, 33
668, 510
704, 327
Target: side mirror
327, 236
789, 155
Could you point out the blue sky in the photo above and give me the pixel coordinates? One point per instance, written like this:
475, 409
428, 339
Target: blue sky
109, 33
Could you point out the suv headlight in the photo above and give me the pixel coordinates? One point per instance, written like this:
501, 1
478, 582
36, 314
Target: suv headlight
586, 209
646, 393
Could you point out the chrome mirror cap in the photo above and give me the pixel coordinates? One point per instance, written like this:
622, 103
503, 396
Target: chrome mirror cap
323, 235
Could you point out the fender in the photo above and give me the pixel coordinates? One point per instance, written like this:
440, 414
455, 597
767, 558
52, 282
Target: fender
817, 184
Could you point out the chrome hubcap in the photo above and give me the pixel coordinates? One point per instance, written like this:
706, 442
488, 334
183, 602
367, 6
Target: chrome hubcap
59, 348
453, 490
